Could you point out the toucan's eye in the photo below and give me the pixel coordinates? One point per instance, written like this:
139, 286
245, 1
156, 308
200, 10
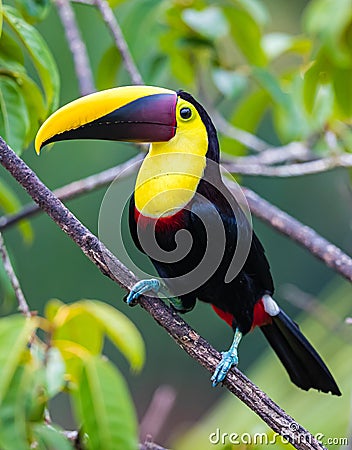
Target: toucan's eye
186, 113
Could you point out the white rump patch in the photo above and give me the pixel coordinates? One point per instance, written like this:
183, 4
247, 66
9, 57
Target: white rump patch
270, 306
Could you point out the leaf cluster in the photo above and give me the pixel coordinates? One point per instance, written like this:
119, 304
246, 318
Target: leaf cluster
69, 359
26, 98
29, 86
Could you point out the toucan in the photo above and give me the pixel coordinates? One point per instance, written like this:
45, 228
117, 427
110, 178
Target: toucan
188, 223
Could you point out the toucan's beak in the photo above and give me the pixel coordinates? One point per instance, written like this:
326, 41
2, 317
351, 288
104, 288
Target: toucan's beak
129, 113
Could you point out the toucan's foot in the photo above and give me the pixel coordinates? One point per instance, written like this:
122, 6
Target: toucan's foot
140, 288
229, 359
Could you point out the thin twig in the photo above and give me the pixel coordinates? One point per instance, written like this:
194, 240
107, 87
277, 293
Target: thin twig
75, 438
84, 2
187, 338
77, 188
150, 445
114, 27
77, 47
294, 151
307, 302
291, 170
157, 413
22, 304
318, 246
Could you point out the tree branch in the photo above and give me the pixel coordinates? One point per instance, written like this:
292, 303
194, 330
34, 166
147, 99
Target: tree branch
318, 246
77, 47
188, 339
22, 304
114, 27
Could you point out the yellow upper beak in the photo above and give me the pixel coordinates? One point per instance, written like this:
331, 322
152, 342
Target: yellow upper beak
129, 113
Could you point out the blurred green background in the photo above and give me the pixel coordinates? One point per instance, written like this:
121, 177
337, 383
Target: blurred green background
53, 267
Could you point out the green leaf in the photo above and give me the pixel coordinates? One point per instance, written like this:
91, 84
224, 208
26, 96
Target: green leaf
271, 85
1, 17
343, 90
54, 372
108, 67
35, 105
228, 82
14, 119
52, 308
12, 413
319, 13
114, 3
75, 332
276, 44
247, 35
288, 118
11, 53
33, 10
324, 106
328, 20
311, 86
15, 332
122, 332
256, 9
9, 203
247, 116
12, 65
181, 64
73, 323
36, 396
103, 405
40, 54
317, 75
50, 438
210, 22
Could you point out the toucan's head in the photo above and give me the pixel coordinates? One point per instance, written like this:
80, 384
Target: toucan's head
144, 114
180, 132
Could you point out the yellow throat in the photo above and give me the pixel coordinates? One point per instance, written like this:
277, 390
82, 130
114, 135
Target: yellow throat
171, 171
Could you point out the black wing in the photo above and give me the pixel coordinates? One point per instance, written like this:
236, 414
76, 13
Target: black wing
257, 266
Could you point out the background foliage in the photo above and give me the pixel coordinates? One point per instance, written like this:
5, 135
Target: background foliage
277, 69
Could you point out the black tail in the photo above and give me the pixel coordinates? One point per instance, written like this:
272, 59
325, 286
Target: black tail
303, 364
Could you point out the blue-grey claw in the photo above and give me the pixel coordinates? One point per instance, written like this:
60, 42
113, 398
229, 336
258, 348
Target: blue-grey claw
140, 288
229, 359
